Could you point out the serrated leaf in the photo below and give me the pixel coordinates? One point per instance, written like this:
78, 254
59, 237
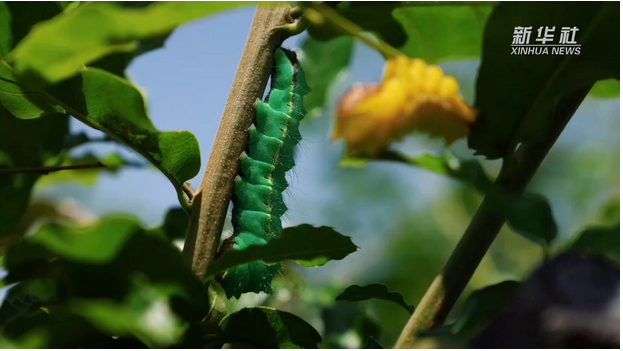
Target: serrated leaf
57, 49
373, 291
322, 63
515, 104
263, 327
307, 245
599, 241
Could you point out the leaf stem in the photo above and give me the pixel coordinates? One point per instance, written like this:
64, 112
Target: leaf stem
483, 229
320, 14
46, 170
212, 198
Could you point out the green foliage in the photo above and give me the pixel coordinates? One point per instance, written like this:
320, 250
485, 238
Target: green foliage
442, 33
45, 54
373, 291
433, 33
263, 327
309, 246
24, 144
481, 307
146, 315
529, 214
516, 104
113, 268
602, 242
323, 62
606, 89
96, 97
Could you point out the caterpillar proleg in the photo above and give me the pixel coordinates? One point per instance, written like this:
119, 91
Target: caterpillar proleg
258, 201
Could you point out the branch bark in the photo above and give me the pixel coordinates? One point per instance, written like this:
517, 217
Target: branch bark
211, 201
482, 230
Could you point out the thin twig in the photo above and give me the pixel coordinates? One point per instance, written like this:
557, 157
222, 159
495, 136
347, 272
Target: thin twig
188, 191
321, 14
211, 200
484, 227
46, 170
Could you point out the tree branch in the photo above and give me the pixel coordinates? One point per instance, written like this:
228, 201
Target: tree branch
46, 170
211, 200
484, 227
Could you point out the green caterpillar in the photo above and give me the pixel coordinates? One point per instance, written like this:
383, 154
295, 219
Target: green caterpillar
258, 201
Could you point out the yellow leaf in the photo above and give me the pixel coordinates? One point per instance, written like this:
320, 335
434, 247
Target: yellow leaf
412, 96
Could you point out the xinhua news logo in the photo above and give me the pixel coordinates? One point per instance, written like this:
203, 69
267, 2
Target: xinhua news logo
548, 41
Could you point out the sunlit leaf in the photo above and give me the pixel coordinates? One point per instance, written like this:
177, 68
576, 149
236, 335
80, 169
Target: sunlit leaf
59, 48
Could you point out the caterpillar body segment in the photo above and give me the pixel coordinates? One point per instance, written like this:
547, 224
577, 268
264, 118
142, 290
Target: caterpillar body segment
258, 200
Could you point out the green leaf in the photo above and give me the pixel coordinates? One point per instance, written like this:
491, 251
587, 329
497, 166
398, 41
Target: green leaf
432, 33
118, 108
376, 18
480, 308
175, 224
443, 33
599, 241
98, 243
323, 62
102, 260
263, 327
25, 144
17, 19
18, 316
21, 102
606, 89
307, 245
114, 162
373, 291
515, 104
146, 315
529, 214
59, 48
